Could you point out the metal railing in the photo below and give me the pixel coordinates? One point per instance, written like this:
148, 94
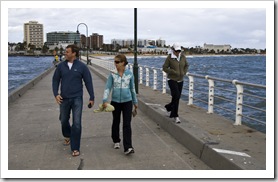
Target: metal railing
206, 87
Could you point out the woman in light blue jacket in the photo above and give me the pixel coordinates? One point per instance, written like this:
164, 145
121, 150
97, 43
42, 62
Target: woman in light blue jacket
123, 98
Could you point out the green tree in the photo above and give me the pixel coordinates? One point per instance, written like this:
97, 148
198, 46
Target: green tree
45, 48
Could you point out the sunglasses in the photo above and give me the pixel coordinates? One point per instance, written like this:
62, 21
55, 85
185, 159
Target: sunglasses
117, 62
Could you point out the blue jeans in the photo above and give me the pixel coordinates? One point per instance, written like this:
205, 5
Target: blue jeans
73, 132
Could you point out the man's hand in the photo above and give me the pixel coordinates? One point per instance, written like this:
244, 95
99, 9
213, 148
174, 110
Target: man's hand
59, 99
91, 104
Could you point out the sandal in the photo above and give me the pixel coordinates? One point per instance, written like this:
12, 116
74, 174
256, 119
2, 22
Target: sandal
75, 153
66, 142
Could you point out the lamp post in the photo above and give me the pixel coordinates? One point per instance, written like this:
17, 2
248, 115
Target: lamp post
88, 62
135, 64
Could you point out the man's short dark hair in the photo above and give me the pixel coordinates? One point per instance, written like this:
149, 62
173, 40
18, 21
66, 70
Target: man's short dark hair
74, 49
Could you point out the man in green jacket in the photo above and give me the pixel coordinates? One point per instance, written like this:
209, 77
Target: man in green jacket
176, 67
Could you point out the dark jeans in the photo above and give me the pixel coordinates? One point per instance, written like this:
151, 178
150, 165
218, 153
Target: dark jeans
73, 132
126, 108
176, 89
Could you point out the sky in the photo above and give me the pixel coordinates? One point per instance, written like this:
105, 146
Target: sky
239, 25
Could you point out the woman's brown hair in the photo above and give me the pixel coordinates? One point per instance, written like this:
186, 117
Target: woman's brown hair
122, 58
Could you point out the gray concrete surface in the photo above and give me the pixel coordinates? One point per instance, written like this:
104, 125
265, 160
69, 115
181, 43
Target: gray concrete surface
35, 139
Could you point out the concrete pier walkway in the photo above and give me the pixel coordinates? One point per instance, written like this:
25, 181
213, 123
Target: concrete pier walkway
201, 142
35, 138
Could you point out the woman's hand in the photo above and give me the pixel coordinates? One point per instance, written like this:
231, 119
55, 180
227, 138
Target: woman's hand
104, 105
135, 106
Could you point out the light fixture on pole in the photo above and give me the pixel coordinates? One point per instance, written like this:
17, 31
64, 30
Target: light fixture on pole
88, 61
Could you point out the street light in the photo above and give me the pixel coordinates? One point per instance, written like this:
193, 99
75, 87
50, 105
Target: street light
135, 64
88, 61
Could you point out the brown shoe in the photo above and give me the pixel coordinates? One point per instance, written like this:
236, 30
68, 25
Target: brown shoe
66, 141
75, 153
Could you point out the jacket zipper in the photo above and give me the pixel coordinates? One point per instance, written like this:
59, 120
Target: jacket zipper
179, 66
121, 91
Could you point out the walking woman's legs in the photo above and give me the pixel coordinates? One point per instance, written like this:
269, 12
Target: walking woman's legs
176, 88
116, 122
127, 133
169, 107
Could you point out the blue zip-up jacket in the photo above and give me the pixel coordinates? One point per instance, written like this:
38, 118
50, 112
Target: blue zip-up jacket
123, 88
71, 80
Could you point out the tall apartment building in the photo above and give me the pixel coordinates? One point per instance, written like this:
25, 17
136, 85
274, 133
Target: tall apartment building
119, 42
96, 41
160, 43
33, 33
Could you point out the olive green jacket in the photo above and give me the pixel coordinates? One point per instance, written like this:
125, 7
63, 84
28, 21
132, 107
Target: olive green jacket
174, 68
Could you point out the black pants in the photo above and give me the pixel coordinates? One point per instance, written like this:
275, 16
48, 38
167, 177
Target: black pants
176, 89
126, 108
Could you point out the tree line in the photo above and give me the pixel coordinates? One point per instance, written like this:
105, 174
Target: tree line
106, 47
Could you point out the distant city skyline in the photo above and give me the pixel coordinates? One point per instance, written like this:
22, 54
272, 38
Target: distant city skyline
243, 27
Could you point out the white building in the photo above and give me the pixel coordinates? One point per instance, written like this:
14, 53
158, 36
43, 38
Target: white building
160, 43
217, 48
140, 42
33, 33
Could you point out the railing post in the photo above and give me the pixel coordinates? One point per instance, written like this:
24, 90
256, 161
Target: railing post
164, 82
210, 95
154, 79
191, 89
147, 77
141, 75
239, 101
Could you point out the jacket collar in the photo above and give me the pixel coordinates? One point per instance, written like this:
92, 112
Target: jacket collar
175, 57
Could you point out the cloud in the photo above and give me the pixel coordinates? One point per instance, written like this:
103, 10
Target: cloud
189, 26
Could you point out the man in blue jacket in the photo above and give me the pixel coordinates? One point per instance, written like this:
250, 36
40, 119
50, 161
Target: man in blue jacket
70, 74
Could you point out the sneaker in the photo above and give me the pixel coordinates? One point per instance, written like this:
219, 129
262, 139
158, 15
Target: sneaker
129, 151
116, 145
177, 119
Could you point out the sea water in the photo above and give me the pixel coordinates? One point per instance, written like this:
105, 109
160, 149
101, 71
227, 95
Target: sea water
22, 69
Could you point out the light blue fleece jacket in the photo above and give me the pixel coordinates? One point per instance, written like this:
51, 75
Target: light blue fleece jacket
123, 88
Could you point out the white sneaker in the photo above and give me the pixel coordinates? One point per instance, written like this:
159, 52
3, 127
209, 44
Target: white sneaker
116, 145
177, 119
129, 151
